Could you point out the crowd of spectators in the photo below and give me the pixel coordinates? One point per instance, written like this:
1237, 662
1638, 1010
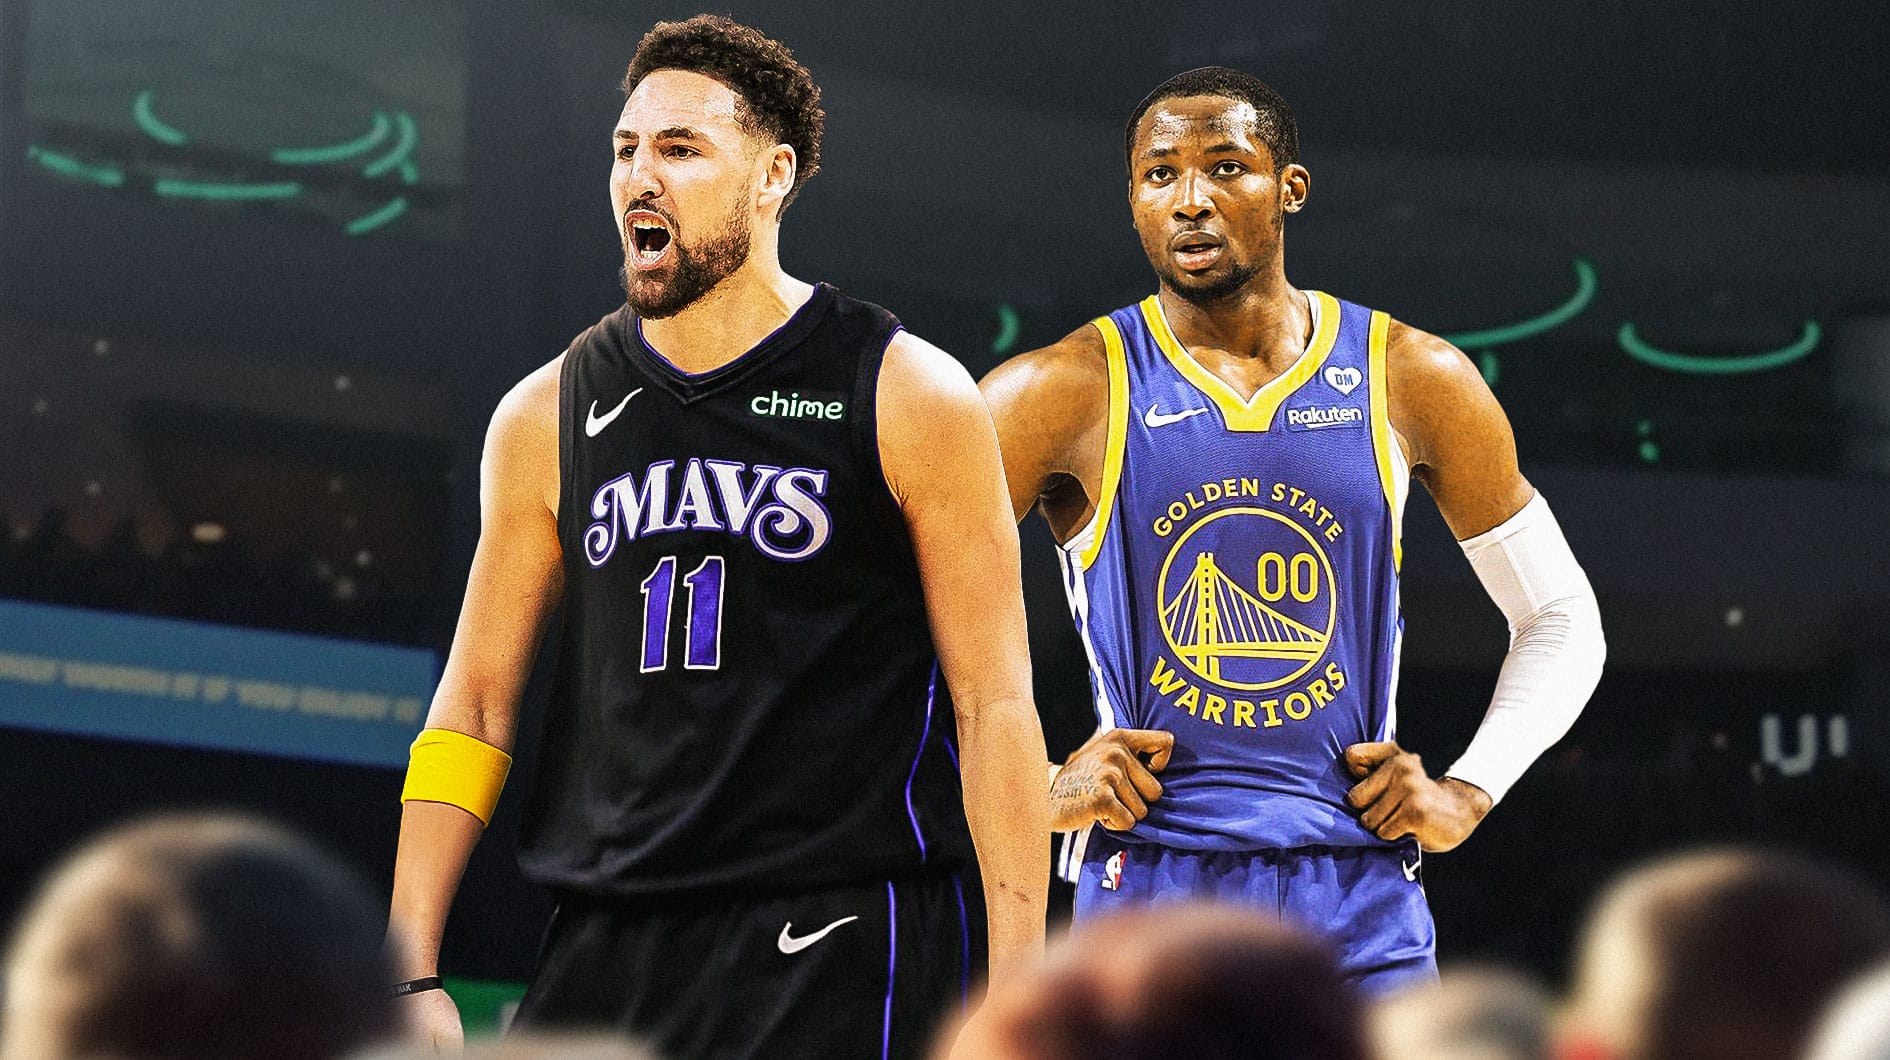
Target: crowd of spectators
214, 937
210, 573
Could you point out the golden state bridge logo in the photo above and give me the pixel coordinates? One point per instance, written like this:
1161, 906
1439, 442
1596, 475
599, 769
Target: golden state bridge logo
1247, 599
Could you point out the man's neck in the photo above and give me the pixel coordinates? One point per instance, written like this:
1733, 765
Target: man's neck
744, 309
1266, 319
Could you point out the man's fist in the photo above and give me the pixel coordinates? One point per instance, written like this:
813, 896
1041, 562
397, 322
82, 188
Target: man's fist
1396, 798
432, 1019
1106, 780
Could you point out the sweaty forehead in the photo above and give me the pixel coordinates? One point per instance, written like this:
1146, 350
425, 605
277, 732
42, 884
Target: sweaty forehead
1179, 120
680, 99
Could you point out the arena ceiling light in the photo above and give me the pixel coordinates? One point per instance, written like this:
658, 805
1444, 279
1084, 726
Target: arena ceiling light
1700, 364
1485, 340
362, 180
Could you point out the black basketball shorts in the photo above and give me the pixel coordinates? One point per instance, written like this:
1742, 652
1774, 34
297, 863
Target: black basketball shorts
850, 973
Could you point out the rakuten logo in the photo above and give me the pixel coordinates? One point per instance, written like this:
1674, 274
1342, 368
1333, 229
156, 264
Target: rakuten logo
1312, 419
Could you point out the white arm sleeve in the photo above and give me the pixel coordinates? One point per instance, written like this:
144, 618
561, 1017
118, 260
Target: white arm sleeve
1555, 645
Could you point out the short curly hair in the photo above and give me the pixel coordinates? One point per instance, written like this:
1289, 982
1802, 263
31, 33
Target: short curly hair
1273, 119
776, 95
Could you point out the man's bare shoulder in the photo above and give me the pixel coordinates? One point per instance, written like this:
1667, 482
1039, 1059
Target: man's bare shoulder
1051, 407
917, 373
1456, 436
1060, 391
1432, 387
522, 442
930, 417
1073, 370
531, 406
1420, 359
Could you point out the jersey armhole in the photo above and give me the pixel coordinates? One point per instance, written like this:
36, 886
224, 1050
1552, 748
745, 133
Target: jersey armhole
1394, 472
567, 423
1088, 542
866, 425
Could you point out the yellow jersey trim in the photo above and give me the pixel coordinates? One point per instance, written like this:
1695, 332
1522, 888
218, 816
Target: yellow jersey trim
1381, 433
456, 769
1118, 438
1254, 413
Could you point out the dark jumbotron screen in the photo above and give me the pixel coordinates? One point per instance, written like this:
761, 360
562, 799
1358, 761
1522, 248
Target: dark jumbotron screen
342, 115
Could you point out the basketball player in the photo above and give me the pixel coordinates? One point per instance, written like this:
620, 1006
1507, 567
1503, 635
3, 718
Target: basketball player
748, 803
1225, 466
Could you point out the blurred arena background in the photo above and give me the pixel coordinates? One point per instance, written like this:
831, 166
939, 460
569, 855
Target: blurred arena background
265, 268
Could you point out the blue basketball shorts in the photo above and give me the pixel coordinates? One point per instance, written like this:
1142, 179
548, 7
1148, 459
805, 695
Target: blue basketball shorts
1367, 903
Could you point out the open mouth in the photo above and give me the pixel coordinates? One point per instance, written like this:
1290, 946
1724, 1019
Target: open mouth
1196, 250
650, 239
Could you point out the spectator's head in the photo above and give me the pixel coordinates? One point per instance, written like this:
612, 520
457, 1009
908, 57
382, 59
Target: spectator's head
1200, 982
1857, 1026
1471, 1014
527, 1046
202, 937
1726, 954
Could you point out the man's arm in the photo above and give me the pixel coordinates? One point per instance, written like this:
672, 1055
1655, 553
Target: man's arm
953, 497
514, 586
1051, 407
1460, 446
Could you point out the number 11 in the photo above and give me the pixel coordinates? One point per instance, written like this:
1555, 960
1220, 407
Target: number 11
702, 627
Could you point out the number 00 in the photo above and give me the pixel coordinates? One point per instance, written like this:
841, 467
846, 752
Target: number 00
1279, 576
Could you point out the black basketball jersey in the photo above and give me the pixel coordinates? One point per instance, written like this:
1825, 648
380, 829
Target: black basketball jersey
747, 696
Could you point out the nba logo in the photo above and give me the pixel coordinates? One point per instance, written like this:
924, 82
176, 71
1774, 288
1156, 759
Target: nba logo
1112, 872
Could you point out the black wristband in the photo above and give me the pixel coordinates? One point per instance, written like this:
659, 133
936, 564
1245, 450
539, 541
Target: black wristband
416, 986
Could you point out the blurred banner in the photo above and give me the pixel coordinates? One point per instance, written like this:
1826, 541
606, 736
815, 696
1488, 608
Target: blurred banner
192, 684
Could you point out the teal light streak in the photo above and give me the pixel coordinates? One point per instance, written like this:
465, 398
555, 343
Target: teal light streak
220, 192
1585, 286
1009, 326
1693, 364
1650, 453
369, 222
316, 156
403, 147
105, 176
154, 126
1491, 369
409, 174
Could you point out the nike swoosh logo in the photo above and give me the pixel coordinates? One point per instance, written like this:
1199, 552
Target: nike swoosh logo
789, 944
1410, 871
594, 423
1158, 419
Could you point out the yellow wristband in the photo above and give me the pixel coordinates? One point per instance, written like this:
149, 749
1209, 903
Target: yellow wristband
456, 769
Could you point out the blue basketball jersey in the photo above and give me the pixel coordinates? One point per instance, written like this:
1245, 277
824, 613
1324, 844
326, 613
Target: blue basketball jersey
1238, 586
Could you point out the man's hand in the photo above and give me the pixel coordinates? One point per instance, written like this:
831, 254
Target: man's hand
1105, 780
1396, 798
432, 1018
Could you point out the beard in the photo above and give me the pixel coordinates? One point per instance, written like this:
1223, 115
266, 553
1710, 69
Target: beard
694, 272
1202, 293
